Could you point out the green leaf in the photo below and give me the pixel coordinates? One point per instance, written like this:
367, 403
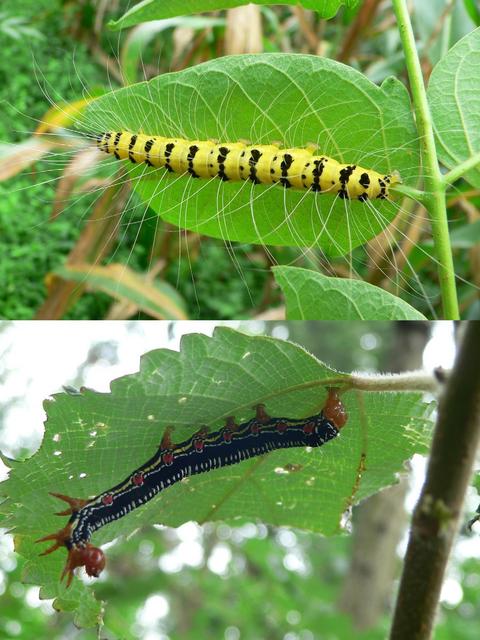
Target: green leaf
139, 38
454, 97
159, 299
158, 9
313, 296
466, 236
473, 10
94, 440
295, 100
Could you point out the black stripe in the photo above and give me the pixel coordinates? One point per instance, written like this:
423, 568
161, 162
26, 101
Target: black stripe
192, 152
285, 165
168, 152
383, 189
148, 145
319, 166
106, 138
255, 156
222, 156
133, 140
344, 177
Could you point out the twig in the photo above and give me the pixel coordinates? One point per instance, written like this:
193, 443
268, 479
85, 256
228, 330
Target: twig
306, 28
405, 381
363, 20
436, 516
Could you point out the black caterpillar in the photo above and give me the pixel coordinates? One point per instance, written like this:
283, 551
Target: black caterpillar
199, 454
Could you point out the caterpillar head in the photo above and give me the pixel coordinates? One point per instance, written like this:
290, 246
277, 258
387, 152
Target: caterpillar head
88, 556
334, 409
93, 559
84, 555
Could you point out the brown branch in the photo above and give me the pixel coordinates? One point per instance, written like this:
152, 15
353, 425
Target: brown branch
363, 20
306, 29
436, 516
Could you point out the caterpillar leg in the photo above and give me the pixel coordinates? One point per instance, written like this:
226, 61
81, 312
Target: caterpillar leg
260, 414
61, 538
230, 423
75, 504
92, 558
166, 442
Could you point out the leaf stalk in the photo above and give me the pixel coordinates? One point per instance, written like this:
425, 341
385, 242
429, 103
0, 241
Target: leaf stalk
435, 187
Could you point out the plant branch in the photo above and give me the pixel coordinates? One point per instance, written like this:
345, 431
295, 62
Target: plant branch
407, 381
437, 513
461, 169
363, 20
434, 185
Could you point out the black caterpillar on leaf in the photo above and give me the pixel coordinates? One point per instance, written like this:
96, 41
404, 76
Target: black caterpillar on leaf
261, 164
202, 452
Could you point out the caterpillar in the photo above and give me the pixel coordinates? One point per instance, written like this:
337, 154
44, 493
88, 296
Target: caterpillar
171, 463
262, 164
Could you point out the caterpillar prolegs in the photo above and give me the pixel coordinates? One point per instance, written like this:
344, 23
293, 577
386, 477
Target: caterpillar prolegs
202, 452
261, 164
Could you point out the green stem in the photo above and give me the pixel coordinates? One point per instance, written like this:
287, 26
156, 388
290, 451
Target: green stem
461, 169
434, 198
405, 190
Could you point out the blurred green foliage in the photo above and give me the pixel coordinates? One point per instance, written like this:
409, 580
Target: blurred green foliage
58, 50
249, 582
59, 67
29, 245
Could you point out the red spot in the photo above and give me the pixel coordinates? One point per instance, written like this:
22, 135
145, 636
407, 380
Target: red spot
168, 458
255, 428
138, 479
309, 428
227, 436
107, 500
282, 427
198, 444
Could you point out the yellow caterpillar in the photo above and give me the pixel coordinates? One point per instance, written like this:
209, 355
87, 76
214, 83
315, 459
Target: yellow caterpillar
262, 164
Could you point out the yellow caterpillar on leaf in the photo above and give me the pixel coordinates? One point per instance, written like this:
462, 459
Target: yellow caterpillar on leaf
262, 164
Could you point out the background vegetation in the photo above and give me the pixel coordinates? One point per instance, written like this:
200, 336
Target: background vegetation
62, 51
246, 579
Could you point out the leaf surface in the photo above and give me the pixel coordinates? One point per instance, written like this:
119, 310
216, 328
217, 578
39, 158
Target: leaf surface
454, 97
94, 440
141, 37
290, 100
313, 296
158, 9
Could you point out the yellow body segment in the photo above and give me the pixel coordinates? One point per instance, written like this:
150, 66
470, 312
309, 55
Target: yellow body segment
261, 164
